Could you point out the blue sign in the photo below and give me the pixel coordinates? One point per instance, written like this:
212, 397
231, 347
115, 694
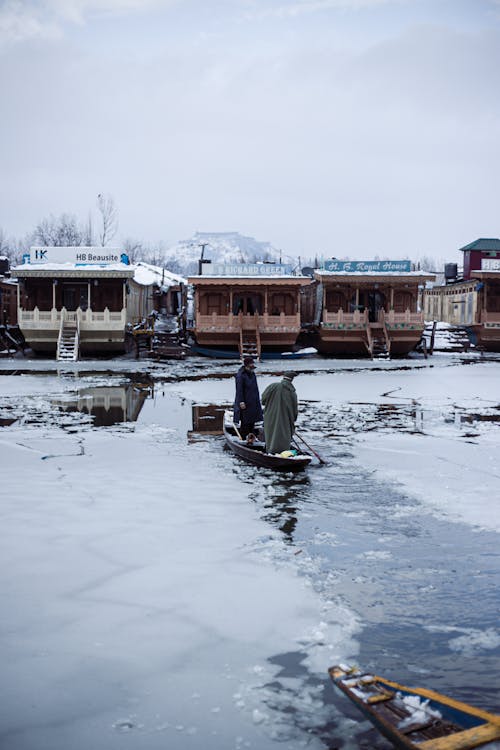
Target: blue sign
368, 266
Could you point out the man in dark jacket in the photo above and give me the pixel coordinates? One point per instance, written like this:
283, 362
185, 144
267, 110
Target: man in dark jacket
280, 413
247, 408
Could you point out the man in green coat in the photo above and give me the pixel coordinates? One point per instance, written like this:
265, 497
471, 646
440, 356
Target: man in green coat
280, 412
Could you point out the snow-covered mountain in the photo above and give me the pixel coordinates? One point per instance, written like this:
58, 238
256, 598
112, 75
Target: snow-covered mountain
220, 247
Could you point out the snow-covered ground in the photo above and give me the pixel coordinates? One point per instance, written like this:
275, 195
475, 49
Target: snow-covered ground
144, 596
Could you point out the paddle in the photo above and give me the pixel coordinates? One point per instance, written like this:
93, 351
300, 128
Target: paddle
321, 460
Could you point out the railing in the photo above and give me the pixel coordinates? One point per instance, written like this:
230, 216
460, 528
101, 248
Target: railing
360, 319
408, 318
86, 319
231, 323
382, 316
60, 337
76, 348
343, 319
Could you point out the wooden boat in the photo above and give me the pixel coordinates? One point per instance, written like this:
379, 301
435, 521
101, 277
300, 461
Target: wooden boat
417, 718
255, 453
214, 353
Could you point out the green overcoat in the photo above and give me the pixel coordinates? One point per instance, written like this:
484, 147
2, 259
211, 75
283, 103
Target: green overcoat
280, 412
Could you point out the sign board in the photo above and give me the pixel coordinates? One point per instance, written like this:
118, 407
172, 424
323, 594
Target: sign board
246, 269
368, 266
77, 255
490, 264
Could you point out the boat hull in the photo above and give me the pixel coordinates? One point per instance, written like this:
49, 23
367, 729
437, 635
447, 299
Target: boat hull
257, 455
417, 718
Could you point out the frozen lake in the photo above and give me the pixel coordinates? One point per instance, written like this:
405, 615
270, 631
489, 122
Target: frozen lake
159, 593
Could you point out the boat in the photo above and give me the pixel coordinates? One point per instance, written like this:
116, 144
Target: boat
255, 452
417, 718
206, 351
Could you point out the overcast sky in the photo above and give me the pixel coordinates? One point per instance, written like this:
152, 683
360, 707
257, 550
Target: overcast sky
338, 127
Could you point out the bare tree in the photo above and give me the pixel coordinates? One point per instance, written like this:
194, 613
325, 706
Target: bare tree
88, 232
134, 249
59, 232
431, 264
5, 246
109, 216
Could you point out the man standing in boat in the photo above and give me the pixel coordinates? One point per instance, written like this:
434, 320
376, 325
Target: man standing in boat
247, 408
280, 412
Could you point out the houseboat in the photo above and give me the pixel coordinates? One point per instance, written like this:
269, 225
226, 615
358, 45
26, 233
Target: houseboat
368, 307
246, 308
74, 300
471, 300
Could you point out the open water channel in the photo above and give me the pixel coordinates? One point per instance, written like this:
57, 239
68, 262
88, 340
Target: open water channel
422, 587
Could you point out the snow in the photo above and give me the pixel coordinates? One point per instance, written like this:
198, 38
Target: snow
450, 465
130, 581
87, 267
222, 247
142, 592
147, 275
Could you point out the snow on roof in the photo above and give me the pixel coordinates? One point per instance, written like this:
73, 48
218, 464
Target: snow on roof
147, 274
73, 270
323, 272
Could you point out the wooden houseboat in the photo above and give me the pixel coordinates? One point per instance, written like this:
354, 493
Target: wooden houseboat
368, 307
471, 301
247, 308
74, 300
8, 294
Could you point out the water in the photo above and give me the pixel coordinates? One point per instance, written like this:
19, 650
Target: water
424, 590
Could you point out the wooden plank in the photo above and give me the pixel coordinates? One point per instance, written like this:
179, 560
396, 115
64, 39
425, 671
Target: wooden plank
466, 740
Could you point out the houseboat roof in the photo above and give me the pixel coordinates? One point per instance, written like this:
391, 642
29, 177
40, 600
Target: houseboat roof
72, 270
253, 280
147, 274
483, 243
486, 274
368, 277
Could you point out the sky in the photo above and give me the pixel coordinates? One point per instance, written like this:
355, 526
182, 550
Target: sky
353, 128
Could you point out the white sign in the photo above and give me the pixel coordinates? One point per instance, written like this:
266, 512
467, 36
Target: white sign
77, 255
246, 269
490, 264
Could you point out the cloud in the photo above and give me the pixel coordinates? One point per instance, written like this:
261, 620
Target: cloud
300, 7
47, 19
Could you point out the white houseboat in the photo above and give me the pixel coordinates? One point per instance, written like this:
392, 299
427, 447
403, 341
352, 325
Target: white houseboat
74, 300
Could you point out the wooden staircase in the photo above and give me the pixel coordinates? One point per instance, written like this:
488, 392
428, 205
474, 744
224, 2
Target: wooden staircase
249, 345
380, 348
68, 343
167, 345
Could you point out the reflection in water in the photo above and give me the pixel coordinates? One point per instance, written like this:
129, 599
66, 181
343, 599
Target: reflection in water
109, 405
208, 419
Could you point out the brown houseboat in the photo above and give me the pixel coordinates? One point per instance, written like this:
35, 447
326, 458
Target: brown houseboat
249, 308
369, 307
472, 301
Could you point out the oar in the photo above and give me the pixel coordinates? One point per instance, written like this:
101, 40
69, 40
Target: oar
321, 460
237, 432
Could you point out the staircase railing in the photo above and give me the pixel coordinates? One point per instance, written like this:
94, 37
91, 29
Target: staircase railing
240, 322
76, 345
387, 338
60, 336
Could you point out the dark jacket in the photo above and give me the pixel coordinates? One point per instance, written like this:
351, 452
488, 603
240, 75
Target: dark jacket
280, 413
247, 390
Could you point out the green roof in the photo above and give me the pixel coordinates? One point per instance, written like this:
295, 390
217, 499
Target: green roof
483, 243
